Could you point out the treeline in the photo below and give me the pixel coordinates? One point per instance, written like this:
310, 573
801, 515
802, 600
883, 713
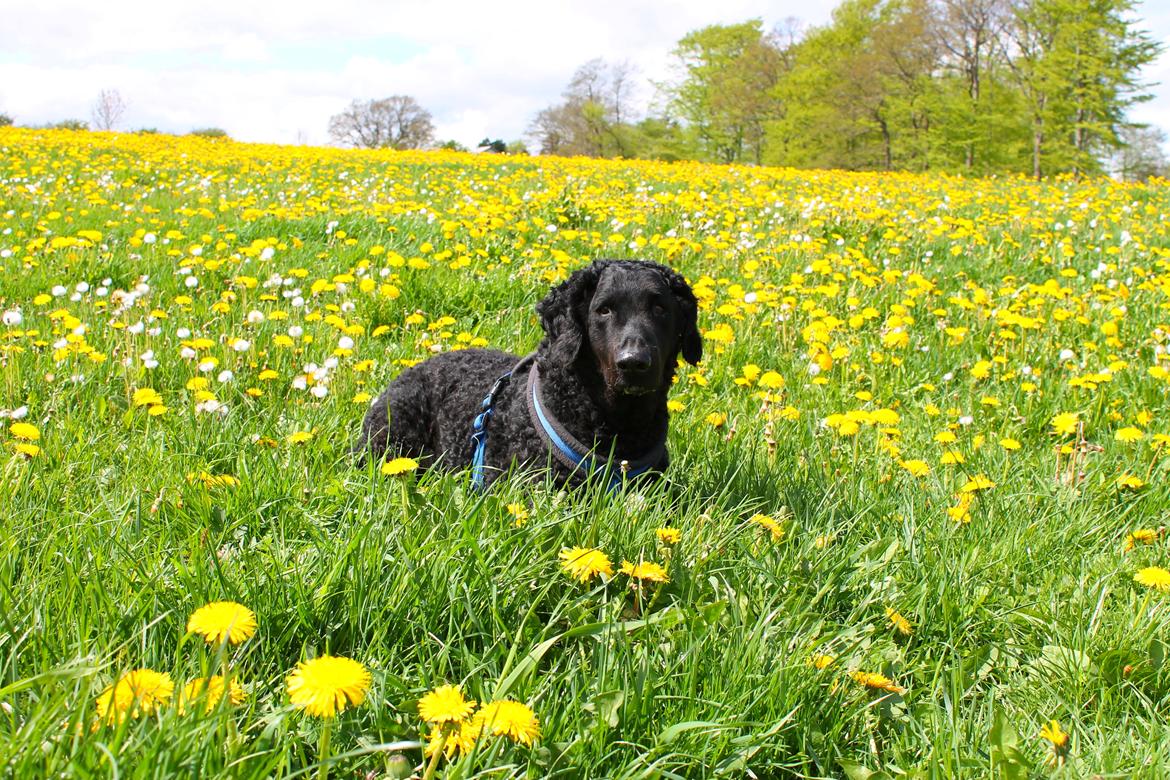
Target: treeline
972, 86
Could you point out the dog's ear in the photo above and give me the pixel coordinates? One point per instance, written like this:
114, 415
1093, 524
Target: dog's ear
690, 342
563, 312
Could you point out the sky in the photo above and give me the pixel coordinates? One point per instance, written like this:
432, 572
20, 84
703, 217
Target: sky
276, 71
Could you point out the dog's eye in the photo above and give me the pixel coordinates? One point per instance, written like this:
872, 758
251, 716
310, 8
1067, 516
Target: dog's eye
659, 310
604, 311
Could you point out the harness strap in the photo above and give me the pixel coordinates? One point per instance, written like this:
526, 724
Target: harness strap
479, 424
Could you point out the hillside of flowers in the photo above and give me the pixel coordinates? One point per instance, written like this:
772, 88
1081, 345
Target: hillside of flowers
914, 523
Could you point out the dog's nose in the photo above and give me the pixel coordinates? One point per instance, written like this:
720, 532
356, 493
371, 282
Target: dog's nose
636, 359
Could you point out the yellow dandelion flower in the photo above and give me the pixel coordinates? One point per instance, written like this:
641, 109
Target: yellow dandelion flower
399, 466
1129, 434
26, 449
645, 571
585, 563
138, 692
519, 514
822, 660
300, 437
977, 483
899, 622
1009, 444
26, 431
511, 719
1141, 535
1059, 739
917, 468
452, 742
146, 396
1130, 482
961, 512
222, 620
325, 686
1153, 577
209, 690
1065, 423
716, 419
768, 523
212, 480
668, 535
877, 682
445, 704
771, 381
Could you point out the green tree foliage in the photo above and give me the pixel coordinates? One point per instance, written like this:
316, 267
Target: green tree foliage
496, 146
980, 86
970, 86
209, 132
1076, 63
725, 95
70, 124
845, 98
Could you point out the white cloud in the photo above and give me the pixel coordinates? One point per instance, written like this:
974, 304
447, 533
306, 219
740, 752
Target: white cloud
276, 71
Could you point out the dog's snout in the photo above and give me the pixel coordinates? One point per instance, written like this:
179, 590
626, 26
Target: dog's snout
634, 357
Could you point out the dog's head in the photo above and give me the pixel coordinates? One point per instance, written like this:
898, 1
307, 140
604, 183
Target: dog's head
634, 317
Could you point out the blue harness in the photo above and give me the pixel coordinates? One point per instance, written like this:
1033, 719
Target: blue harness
479, 429
562, 445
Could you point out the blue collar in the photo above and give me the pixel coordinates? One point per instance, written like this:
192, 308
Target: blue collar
574, 455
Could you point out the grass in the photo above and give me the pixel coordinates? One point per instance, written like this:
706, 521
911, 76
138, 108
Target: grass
894, 307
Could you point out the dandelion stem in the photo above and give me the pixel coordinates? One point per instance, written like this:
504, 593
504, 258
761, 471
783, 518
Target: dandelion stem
323, 749
433, 765
1141, 610
405, 499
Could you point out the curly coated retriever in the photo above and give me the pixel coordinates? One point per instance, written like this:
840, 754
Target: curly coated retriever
592, 398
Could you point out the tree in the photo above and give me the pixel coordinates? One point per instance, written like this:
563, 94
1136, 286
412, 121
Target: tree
397, 122
492, 147
661, 138
970, 34
1076, 63
1141, 155
5, 120
594, 118
725, 93
108, 109
834, 97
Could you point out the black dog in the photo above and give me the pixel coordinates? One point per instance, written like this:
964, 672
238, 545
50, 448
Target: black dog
592, 398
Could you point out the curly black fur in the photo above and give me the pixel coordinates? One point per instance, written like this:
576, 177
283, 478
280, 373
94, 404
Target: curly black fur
605, 373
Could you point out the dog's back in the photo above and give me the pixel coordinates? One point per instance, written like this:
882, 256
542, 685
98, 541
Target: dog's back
427, 411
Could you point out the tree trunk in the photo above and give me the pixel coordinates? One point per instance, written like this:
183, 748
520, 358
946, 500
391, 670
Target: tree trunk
1037, 144
886, 143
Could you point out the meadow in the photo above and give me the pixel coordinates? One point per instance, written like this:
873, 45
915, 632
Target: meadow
914, 522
